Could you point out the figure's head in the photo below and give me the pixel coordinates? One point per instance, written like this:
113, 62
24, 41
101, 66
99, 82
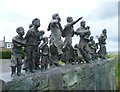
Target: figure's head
104, 31
76, 46
20, 31
91, 37
88, 27
69, 19
36, 22
56, 16
42, 32
82, 23
30, 25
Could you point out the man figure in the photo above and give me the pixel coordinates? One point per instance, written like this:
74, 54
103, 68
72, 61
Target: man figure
101, 42
32, 41
68, 31
56, 42
84, 34
25, 63
16, 60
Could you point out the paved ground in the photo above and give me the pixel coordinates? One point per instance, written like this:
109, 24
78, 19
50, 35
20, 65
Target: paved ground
4, 65
5, 69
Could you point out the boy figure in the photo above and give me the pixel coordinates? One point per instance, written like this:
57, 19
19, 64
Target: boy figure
93, 48
45, 53
16, 60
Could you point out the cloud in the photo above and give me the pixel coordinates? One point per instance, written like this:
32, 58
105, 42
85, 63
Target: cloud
112, 46
98, 14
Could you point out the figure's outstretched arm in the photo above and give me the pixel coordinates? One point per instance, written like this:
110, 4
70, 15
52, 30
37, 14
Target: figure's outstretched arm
60, 26
48, 29
74, 22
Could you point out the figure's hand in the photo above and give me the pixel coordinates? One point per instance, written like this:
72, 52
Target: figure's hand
81, 17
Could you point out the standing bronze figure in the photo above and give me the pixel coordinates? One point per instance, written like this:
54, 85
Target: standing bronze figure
68, 33
102, 42
32, 41
44, 53
56, 42
16, 60
84, 34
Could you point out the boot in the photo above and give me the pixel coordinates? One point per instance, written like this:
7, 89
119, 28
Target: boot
37, 68
31, 67
19, 70
42, 68
13, 69
31, 70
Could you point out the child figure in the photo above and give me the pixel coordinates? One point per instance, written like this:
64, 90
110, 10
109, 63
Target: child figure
16, 60
45, 53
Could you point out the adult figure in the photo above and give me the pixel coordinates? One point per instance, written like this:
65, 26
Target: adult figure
68, 31
32, 41
16, 60
84, 34
102, 42
56, 42
25, 62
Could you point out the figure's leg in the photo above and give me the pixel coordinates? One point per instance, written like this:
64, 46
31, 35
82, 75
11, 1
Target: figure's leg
19, 65
13, 65
54, 59
85, 55
13, 70
30, 60
46, 62
25, 62
36, 58
53, 53
103, 51
42, 62
19, 70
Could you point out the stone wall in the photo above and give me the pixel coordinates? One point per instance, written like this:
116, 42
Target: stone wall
97, 75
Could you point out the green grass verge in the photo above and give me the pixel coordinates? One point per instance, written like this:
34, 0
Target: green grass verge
5, 53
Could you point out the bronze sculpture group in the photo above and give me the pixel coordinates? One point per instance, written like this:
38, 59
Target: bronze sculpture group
42, 51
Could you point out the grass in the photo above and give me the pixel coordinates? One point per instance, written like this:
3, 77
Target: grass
117, 69
5, 53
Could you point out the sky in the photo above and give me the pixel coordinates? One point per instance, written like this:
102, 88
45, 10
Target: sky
98, 14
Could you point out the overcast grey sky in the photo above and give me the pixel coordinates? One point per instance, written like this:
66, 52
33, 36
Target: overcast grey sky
98, 14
